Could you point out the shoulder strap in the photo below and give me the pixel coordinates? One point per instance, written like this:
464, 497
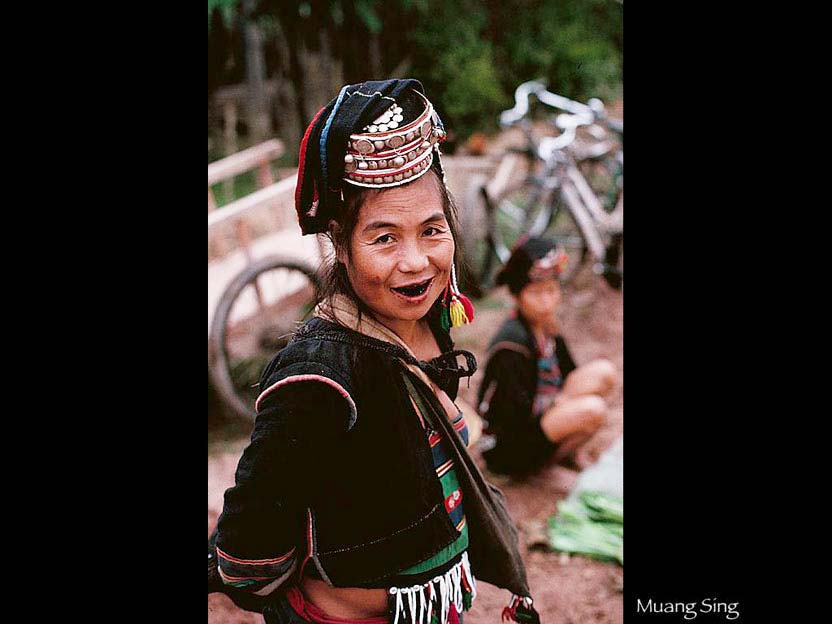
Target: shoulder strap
494, 555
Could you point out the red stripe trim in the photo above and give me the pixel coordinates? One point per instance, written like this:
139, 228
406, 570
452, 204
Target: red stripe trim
308, 541
279, 559
445, 467
297, 378
302, 163
233, 579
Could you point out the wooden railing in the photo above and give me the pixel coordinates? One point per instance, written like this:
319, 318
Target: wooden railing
258, 157
272, 195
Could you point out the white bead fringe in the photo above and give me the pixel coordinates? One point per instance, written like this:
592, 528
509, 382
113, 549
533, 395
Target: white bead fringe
415, 605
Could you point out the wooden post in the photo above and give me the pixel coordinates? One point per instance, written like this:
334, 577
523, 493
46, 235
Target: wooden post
220, 246
212, 204
264, 174
229, 111
244, 240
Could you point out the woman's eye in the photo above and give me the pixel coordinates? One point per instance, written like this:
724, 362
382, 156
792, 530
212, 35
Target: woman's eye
432, 231
383, 239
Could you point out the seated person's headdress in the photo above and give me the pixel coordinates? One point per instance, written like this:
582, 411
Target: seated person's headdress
532, 260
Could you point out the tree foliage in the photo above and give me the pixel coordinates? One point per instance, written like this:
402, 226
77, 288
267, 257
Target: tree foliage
470, 54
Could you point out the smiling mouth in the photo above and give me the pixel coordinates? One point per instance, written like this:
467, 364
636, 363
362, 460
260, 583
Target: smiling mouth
414, 290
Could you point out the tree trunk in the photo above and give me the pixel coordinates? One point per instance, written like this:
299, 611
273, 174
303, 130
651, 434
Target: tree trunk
286, 17
257, 108
353, 53
375, 58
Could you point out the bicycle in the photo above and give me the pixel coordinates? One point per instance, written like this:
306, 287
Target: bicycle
553, 198
599, 157
255, 318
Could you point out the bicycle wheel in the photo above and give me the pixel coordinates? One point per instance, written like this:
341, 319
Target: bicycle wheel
605, 177
514, 213
254, 319
483, 247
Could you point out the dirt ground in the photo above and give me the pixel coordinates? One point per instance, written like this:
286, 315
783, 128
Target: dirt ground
567, 589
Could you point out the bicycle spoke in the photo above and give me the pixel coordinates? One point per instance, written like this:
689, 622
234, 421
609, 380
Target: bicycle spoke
513, 210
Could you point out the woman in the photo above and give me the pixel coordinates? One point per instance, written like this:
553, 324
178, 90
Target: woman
356, 498
538, 405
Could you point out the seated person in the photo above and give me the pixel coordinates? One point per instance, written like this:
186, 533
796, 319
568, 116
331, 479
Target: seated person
538, 406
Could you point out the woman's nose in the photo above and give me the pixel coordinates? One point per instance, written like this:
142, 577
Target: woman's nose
413, 259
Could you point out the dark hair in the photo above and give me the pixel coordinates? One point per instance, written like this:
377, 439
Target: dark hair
334, 279
515, 273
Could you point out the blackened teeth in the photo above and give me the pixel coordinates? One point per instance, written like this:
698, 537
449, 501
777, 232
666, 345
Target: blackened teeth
414, 291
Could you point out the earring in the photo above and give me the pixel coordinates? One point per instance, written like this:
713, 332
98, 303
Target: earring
461, 310
444, 314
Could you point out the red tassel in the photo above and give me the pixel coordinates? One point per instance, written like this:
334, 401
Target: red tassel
467, 305
510, 612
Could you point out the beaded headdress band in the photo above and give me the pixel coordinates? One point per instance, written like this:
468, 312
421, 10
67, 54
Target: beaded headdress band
533, 259
549, 266
389, 155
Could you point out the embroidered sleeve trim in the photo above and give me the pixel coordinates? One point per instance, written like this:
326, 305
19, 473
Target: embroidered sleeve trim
279, 559
253, 573
311, 377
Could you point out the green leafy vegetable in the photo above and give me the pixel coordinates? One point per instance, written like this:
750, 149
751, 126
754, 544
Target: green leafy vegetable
603, 506
592, 526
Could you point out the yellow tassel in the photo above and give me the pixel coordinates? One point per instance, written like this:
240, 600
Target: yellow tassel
457, 313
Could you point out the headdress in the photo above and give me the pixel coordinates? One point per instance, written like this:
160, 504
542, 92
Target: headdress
532, 260
390, 152
375, 134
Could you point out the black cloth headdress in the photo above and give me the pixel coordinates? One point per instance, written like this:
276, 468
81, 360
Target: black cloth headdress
531, 259
318, 196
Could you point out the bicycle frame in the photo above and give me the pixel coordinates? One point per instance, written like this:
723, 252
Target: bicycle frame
532, 205
596, 225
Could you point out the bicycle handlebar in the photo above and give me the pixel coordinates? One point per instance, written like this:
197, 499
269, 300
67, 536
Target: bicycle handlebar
549, 145
565, 121
558, 101
569, 125
521, 102
594, 110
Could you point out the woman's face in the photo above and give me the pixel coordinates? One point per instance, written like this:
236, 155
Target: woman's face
538, 301
401, 251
